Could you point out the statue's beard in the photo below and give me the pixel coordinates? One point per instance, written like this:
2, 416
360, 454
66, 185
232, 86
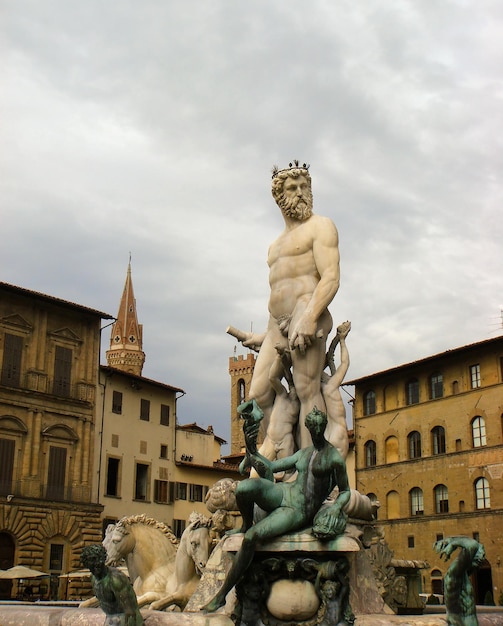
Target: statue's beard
297, 208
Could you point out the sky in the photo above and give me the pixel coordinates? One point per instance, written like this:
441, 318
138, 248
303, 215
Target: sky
151, 129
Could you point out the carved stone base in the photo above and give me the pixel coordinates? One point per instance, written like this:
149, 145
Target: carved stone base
295, 579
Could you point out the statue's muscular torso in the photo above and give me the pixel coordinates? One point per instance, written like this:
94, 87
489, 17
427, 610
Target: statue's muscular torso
294, 272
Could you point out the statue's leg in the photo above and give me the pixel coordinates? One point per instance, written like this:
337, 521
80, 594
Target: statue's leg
260, 387
243, 559
254, 491
307, 370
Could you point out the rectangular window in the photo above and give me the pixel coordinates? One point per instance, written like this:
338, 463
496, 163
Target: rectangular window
145, 410
181, 491
141, 482
62, 372
410, 541
196, 493
440, 536
162, 491
115, 441
117, 402
164, 415
56, 553
164, 451
11, 364
7, 452
113, 473
178, 527
475, 376
56, 473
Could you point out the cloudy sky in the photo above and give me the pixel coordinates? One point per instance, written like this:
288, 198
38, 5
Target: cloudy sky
150, 128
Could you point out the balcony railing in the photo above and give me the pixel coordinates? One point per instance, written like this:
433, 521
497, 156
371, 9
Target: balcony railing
40, 382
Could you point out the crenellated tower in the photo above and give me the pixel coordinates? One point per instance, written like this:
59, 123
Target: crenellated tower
126, 340
241, 371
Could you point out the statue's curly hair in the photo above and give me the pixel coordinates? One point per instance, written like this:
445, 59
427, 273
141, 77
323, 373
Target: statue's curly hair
95, 553
278, 180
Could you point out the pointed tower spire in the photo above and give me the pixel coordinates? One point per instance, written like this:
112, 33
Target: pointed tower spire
126, 340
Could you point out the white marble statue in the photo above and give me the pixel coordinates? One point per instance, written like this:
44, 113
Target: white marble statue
191, 558
163, 571
149, 549
304, 278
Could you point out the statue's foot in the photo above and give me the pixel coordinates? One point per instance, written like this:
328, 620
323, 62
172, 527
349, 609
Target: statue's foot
214, 604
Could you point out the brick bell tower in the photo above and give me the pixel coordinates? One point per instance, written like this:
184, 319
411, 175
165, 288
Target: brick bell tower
126, 340
241, 371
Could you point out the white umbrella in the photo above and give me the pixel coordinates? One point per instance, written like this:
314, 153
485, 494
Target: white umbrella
21, 571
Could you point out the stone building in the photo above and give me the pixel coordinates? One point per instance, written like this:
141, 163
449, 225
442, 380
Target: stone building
429, 447
49, 355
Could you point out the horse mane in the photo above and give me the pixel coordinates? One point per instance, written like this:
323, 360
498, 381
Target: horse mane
198, 520
146, 521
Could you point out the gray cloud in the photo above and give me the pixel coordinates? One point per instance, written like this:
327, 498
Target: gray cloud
153, 129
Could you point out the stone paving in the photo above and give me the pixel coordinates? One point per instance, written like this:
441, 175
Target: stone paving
22, 615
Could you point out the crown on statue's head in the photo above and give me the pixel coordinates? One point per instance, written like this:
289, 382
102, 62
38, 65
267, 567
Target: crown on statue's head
295, 165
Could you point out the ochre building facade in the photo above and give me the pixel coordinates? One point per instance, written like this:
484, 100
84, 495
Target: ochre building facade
49, 355
429, 448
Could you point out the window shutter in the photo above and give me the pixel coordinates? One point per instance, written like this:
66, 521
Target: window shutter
11, 366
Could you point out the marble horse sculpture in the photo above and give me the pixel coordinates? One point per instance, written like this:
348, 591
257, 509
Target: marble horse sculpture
149, 549
191, 558
458, 590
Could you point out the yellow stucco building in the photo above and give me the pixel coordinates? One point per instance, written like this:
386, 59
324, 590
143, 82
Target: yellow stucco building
429, 447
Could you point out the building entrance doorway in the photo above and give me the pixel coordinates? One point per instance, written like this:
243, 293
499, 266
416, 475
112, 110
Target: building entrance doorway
7, 552
482, 581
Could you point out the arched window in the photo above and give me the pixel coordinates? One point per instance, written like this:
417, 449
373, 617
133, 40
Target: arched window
412, 391
370, 453
391, 447
479, 432
393, 505
369, 403
241, 391
437, 582
436, 386
438, 440
416, 501
441, 499
414, 441
482, 495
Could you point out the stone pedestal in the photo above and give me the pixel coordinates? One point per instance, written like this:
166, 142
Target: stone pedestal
294, 578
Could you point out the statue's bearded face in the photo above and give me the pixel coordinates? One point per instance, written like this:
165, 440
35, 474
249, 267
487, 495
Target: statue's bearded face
296, 201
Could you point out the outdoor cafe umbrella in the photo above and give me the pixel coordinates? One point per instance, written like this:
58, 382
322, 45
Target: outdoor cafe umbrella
21, 571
